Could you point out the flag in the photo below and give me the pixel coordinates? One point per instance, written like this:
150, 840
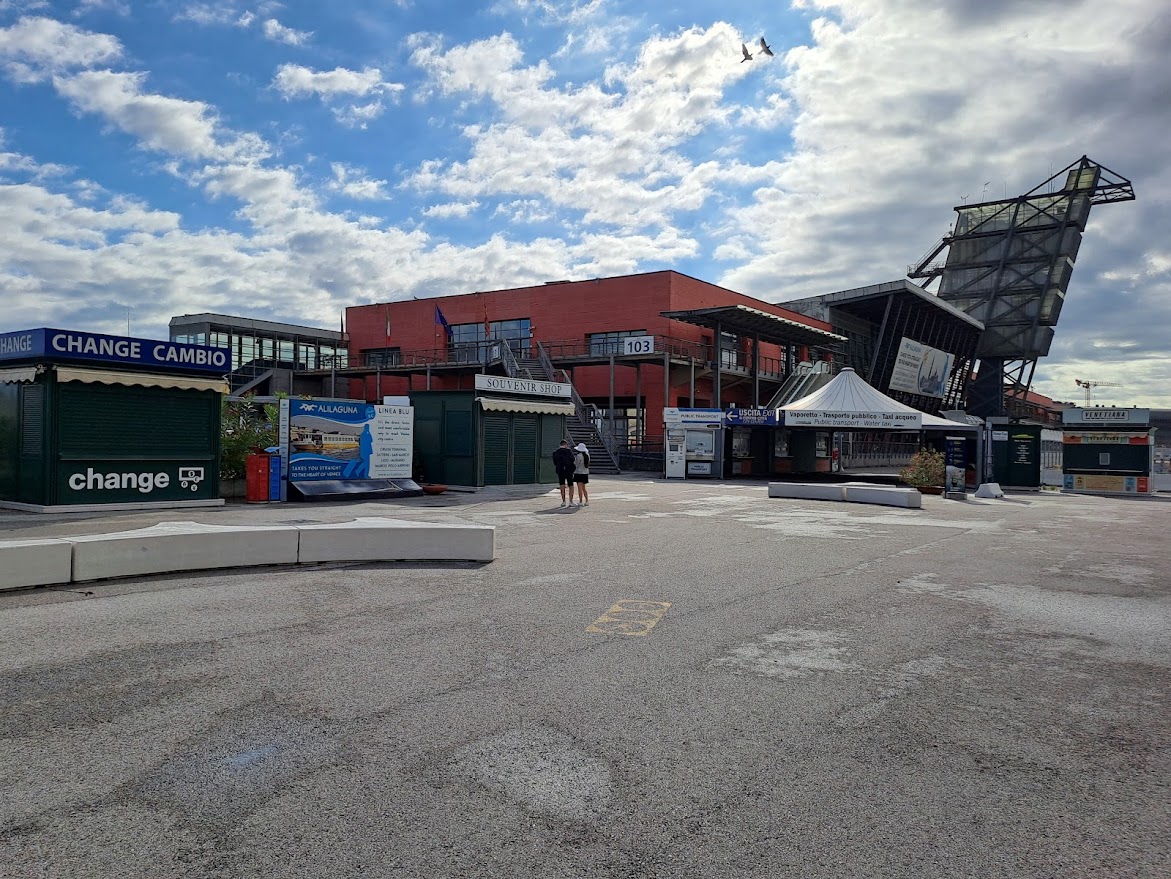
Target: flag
487, 326
440, 319
388, 323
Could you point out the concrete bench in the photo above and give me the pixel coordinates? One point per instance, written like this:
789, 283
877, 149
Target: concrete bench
181, 546
35, 563
808, 491
885, 495
382, 540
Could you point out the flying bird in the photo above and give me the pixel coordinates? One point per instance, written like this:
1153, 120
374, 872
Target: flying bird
747, 54
764, 47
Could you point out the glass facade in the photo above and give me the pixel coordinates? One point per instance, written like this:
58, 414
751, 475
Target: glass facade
255, 351
470, 343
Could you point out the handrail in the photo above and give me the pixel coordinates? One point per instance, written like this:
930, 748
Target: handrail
546, 363
502, 350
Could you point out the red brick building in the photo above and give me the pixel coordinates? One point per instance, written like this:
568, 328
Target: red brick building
440, 343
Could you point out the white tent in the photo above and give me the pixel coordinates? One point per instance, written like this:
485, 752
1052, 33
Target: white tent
849, 403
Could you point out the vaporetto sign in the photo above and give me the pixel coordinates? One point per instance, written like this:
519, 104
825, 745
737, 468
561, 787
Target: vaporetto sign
71, 345
504, 385
860, 420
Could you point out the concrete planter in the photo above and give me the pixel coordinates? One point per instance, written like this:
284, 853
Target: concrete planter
231, 489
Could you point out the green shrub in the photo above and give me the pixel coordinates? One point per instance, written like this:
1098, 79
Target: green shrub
245, 427
926, 468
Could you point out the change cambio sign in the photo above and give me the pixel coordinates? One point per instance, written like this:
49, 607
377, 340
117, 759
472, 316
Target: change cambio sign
51, 344
110, 482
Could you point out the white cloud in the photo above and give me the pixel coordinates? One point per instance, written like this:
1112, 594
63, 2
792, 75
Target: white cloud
295, 81
274, 30
34, 49
451, 209
354, 183
183, 128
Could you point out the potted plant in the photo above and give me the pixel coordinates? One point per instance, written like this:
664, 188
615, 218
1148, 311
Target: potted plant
925, 471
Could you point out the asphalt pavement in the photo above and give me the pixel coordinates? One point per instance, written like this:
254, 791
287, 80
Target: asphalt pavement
681, 680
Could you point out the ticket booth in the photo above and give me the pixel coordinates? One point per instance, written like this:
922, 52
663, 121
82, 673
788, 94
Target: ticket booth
109, 422
695, 443
1107, 451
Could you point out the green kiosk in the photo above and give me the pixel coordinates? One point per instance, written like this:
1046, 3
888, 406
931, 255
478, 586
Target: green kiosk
108, 422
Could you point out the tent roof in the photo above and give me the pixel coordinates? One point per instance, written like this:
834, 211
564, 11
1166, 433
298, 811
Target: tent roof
847, 392
851, 398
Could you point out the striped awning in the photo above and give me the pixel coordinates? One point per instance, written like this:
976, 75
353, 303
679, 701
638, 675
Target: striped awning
16, 374
141, 379
537, 407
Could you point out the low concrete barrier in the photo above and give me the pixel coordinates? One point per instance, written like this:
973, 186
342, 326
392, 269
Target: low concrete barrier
989, 489
383, 540
35, 563
181, 546
810, 491
886, 495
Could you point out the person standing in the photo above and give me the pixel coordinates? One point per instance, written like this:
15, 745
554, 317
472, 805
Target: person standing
564, 463
581, 473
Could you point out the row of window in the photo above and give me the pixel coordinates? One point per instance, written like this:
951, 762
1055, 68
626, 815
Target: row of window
267, 351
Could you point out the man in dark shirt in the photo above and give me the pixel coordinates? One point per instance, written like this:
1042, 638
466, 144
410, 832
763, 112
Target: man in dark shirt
563, 461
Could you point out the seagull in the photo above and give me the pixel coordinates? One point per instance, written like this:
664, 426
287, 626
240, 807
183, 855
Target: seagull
747, 54
764, 47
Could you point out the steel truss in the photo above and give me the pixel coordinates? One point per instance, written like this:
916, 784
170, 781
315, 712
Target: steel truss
1008, 264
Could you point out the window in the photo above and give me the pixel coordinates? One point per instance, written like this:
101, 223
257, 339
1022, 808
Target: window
383, 356
469, 344
610, 343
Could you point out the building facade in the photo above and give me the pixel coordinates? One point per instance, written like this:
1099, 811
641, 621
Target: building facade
629, 345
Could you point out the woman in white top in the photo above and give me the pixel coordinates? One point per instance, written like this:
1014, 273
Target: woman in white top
581, 473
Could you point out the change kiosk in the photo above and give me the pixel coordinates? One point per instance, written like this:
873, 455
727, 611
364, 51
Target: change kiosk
109, 422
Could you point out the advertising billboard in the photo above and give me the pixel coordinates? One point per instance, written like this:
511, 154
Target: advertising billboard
921, 369
332, 439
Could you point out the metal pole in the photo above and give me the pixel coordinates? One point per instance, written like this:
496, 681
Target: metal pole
890, 297
756, 371
666, 382
611, 410
638, 402
718, 353
428, 376
692, 401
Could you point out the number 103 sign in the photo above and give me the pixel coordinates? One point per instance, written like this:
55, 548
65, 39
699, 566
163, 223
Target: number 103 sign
638, 345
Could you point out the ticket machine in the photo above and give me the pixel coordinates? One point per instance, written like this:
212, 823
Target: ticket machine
695, 443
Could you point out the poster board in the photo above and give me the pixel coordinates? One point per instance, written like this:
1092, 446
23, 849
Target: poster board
333, 439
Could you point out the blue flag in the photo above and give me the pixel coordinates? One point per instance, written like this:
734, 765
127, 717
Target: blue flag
440, 319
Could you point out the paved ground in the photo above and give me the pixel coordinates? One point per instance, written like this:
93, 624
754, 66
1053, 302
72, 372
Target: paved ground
971, 690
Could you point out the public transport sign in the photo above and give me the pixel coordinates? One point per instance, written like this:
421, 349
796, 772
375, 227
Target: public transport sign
50, 344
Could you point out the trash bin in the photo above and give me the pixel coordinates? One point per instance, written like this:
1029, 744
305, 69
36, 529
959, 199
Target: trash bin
256, 478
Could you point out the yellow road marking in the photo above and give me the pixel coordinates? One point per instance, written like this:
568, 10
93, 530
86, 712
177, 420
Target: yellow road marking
629, 616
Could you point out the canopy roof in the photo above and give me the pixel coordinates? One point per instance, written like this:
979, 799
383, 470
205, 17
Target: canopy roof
745, 321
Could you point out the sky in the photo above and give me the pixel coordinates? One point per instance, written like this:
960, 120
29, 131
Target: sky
287, 160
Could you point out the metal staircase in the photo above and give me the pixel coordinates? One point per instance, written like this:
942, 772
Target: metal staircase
581, 425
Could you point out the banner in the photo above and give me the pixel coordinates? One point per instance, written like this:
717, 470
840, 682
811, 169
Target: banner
920, 369
340, 440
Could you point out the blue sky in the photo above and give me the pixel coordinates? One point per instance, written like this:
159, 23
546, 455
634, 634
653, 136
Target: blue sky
285, 160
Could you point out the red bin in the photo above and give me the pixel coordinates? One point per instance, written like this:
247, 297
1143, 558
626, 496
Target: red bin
256, 478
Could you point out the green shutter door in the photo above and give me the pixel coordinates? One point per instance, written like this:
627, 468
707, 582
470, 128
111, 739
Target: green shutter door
496, 433
524, 449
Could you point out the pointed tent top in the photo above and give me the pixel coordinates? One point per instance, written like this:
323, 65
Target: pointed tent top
849, 402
